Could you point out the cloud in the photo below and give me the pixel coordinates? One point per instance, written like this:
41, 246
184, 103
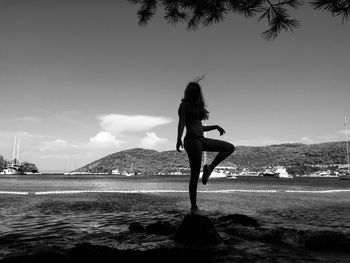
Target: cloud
22, 134
29, 119
344, 132
118, 123
151, 140
55, 145
257, 142
104, 140
327, 138
306, 140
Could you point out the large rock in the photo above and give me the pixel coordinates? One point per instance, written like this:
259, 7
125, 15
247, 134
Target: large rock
136, 227
160, 228
239, 219
328, 241
42, 257
197, 229
89, 253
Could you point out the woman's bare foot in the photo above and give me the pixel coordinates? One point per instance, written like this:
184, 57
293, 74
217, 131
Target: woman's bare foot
206, 173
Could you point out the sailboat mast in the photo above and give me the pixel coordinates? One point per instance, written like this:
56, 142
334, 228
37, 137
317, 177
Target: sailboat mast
347, 146
14, 150
17, 158
205, 153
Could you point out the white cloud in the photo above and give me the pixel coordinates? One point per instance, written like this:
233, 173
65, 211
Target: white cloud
344, 132
22, 134
118, 123
257, 142
151, 140
55, 145
306, 140
29, 119
104, 140
327, 138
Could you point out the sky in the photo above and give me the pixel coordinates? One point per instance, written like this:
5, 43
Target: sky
80, 80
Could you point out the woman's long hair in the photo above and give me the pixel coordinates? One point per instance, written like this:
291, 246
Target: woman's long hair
195, 103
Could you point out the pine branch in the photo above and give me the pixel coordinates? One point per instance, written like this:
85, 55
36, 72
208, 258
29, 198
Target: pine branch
207, 12
147, 11
278, 19
335, 7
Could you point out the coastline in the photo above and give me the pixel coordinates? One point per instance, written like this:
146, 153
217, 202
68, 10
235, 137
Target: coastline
240, 239
88, 216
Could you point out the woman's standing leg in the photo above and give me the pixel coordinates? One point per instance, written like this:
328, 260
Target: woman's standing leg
193, 148
225, 149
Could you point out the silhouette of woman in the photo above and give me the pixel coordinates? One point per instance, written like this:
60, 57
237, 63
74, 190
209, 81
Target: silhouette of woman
191, 112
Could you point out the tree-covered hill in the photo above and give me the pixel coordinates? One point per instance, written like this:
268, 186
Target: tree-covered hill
151, 161
2, 162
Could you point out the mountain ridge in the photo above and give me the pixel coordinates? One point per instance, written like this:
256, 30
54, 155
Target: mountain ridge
147, 161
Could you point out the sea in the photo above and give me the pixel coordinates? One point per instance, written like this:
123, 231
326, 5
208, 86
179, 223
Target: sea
60, 211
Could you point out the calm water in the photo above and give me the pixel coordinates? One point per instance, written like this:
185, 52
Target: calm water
58, 211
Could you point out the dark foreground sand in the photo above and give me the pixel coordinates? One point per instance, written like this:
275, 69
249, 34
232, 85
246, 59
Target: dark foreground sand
230, 238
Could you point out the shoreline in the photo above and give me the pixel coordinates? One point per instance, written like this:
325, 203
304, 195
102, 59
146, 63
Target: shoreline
225, 238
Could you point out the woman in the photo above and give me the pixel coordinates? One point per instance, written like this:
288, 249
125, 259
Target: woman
192, 111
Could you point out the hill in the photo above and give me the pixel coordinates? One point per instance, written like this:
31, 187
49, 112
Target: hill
152, 162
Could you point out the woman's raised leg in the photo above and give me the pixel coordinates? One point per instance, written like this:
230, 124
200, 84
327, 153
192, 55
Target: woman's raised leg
225, 149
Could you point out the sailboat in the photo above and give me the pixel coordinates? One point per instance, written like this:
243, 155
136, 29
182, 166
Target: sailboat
346, 175
14, 167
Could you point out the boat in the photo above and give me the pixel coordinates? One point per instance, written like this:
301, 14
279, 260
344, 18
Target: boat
177, 172
14, 167
268, 173
231, 176
116, 171
131, 173
281, 172
346, 174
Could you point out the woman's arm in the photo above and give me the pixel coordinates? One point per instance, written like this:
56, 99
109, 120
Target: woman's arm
214, 127
209, 128
180, 126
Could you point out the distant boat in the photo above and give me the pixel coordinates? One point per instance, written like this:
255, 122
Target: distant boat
268, 173
346, 174
116, 171
281, 172
231, 176
177, 172
14, 167
131, 173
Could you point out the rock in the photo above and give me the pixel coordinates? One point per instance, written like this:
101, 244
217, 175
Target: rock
292, 237
42, 257
328, 241
89, 253
160, 228
239, 219
136, 227
197, 229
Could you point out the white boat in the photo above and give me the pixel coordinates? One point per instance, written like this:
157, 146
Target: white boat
281, 172
177, 172
12, 170
346, 174
231, 176
14, 167
131, 173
